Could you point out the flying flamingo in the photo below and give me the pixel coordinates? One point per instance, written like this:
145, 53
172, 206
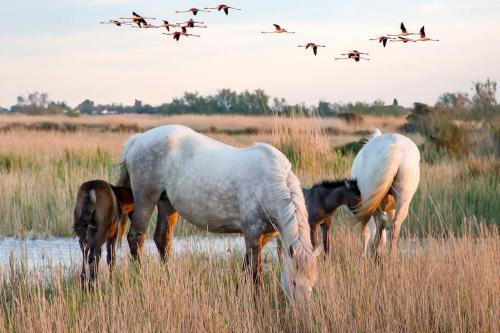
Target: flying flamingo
313, 46
279, 30
223, 7
404, 32
167, 25
177, 34
116, 22
354, 54
383, 39
403, 39
423, 38
138, 19
192, 24
192, 10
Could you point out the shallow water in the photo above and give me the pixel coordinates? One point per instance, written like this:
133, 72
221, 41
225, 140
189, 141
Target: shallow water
66, 251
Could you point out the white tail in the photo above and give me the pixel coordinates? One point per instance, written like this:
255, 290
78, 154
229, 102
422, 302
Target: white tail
382, 182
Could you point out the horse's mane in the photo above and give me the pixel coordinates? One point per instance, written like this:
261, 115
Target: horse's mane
376, 132
292, 216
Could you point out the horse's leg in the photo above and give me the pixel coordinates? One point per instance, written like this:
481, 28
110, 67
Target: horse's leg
111, 252
314, 235
326, 235
143, 208
380, 222
399, 217
165, 225
253, 258
94, 257
366, 237
85, 252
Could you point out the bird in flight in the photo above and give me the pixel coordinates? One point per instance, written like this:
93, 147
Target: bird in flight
193, 10
223, 7
403, 39
116, 22
423, 37
192, 24
138, 19
383, 39
404, 32
354, 54
314, 47
167, 25
278, 30
177, 34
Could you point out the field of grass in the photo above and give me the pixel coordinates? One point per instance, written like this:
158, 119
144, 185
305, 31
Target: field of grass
445, 279
434, 285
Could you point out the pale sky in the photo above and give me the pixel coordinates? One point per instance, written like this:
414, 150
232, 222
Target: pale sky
58, 47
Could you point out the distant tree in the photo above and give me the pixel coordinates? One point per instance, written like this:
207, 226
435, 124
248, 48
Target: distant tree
395, 102
38, 103
324, 108
484, 98
87, 107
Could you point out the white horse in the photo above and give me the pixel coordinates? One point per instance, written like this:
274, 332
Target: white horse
387, 171
222, 189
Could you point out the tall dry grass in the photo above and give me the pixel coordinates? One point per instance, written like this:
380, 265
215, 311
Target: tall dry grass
435, 285
40, 173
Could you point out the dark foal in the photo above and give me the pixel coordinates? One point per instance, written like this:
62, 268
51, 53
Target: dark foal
100, 216
323, 199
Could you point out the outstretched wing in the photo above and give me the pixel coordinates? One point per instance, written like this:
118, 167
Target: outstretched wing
403, 28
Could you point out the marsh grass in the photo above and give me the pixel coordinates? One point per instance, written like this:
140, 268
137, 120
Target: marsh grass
40, 173
435, 285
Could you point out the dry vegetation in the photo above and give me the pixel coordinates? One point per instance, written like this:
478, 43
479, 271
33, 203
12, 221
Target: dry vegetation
446, 278
435, 285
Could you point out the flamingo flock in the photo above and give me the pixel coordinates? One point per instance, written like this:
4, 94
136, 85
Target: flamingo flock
141, 22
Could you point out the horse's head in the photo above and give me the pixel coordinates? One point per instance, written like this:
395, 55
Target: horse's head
299, 275
352, 197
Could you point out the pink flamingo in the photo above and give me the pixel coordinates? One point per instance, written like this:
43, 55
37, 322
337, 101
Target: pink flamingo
382, 39
279, 30
177, 34
116, 22
314, 47
223, 7
423, 38
193, 10
354, 54
138, 19
404, 32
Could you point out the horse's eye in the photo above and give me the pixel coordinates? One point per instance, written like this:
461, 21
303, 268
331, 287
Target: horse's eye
294, 283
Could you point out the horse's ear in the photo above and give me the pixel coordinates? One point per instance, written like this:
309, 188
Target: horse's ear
347, 184
291, 252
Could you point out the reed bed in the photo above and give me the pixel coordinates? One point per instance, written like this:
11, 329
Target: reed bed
40, 173
435, 285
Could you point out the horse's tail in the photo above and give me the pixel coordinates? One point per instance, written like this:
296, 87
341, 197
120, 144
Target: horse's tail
84, 210
375, 192
124, 177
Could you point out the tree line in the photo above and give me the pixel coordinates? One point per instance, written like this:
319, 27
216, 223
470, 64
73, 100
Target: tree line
257, 102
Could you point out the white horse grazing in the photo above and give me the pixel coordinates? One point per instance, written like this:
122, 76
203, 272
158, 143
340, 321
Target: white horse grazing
387, 171
222, 189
